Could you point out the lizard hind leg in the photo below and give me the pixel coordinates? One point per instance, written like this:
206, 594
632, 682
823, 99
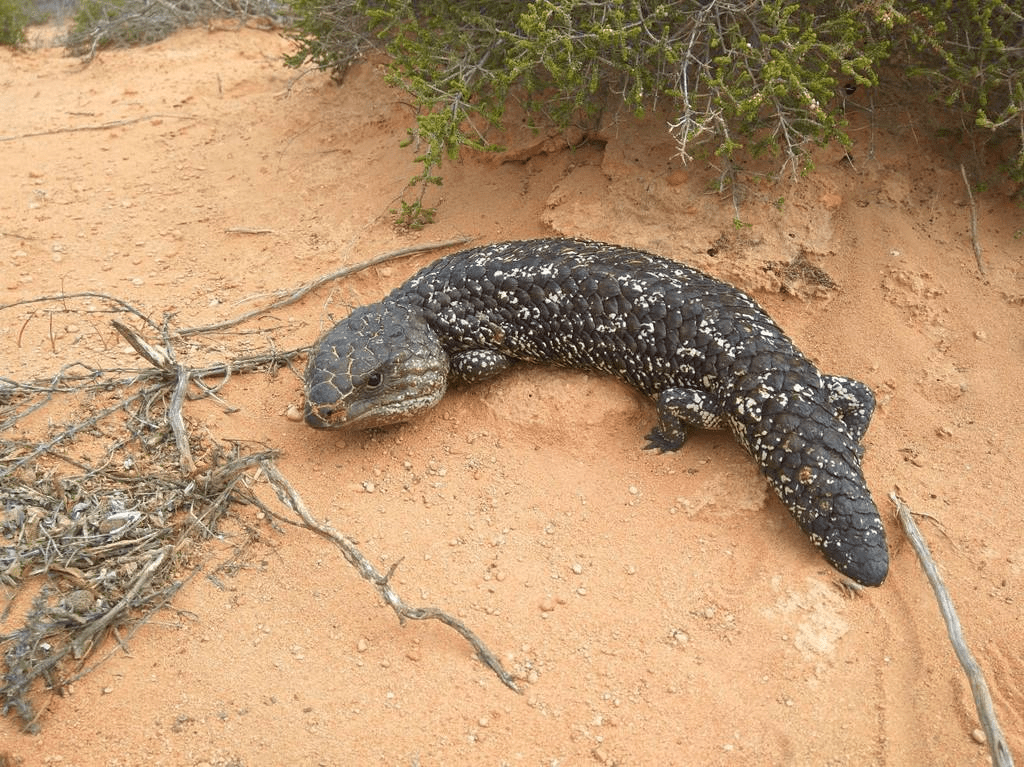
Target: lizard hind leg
678, 409
852, 401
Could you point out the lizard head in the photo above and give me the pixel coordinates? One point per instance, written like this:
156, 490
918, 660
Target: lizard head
379, 366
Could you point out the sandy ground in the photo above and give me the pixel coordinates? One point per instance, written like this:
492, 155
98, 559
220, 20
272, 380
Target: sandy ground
660, 609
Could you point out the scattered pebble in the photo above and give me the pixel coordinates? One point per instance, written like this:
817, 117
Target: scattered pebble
978, 735
362, 645
577, 568
547, 604
293, 413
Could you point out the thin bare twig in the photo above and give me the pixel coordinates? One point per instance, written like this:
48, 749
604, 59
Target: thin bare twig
182, 375
974, 220
982, 700
101, 126
290, 498
302, 290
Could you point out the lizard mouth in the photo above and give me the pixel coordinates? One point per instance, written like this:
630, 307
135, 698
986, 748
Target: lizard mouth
324, 417
366, 415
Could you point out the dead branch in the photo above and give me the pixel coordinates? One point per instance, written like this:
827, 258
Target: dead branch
181, 375
101, 126
974, 220
302, 290
290, 498
121, 306
982, 700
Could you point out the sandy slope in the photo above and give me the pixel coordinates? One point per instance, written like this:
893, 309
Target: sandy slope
663, 609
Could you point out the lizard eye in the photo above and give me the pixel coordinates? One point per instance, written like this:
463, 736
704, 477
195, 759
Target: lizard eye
374, 380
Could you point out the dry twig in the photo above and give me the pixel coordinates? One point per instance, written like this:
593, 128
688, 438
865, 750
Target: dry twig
287, 495
982, 700
101, 126
974, 220
297, 293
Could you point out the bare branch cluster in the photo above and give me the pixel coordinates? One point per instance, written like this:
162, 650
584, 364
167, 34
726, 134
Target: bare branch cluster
102, 516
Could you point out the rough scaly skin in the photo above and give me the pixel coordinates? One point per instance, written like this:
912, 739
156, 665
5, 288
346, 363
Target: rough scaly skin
704, 351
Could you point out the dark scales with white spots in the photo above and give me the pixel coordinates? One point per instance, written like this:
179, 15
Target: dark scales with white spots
706, 353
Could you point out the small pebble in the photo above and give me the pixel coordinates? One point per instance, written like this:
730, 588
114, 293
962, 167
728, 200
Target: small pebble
362, 645
547, 604
978, 735
293, 413
577, 568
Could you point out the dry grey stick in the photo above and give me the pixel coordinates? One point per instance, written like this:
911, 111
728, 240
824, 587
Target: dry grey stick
982, 700
182, 375
302, 290
101, 126
287, 495
177, 420
974, 220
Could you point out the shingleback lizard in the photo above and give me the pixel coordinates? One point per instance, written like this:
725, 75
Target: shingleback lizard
706, 353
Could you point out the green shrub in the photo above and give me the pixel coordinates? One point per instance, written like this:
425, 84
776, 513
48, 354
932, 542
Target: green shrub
758, 78
971, 54
14, 17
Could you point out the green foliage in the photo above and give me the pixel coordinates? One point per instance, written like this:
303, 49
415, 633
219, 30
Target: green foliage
329, 34
971, 53
743, 77
14, 17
